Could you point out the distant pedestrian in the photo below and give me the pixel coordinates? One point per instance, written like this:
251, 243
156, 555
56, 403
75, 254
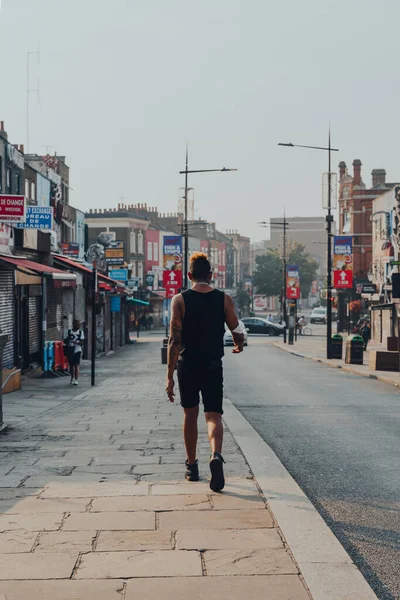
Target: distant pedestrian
366, 334
197, 339
270, 319
74, 344
150, 322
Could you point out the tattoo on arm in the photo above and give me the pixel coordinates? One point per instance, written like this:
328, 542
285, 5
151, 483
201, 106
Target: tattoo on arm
175, 339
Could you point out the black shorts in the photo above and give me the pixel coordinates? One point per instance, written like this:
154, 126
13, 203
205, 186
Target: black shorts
75, 359
195, 378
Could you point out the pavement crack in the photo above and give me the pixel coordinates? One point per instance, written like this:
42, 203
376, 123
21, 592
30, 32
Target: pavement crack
95, 540
37, 541
63, 520
157, 521
203, 563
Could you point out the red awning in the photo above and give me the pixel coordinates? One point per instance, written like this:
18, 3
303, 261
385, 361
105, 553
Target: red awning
60, 278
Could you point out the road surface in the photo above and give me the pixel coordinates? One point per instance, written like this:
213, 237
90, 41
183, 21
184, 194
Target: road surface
338, 436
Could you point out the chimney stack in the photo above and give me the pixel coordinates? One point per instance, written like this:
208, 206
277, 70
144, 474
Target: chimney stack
22, 149
342, 169
378, 177
357, 171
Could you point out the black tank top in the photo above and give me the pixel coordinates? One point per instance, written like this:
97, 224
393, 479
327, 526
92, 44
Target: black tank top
203, 326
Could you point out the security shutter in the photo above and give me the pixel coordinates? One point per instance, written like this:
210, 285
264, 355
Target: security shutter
34, 324
55, 329
107, 324
7, 311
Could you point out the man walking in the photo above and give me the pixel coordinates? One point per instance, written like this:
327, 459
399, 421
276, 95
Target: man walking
75, 342
196, 344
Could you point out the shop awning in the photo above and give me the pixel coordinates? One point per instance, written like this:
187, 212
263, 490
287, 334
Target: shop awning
105, 283
60, 278
139, 302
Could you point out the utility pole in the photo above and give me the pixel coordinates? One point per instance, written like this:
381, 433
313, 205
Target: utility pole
284, 291
94, 294
185, 216
329, 219
29, 90
186, 228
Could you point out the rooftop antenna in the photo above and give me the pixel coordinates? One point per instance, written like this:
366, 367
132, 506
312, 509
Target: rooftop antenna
30, 90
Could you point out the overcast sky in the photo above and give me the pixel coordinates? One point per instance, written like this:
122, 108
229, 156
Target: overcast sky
125, 83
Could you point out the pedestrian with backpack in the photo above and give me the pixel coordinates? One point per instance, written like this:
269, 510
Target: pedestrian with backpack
74, 343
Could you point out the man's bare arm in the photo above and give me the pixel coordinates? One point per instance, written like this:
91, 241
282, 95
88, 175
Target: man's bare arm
175, 337
232, 321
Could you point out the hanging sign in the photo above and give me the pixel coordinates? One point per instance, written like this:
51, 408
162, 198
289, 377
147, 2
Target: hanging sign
115, 253
38, 217
343, 262
292, 282
172, 251
118, 274
12, 208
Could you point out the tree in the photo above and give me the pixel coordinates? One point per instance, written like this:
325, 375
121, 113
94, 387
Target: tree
308, 267
268, 274
268, 277
243, 299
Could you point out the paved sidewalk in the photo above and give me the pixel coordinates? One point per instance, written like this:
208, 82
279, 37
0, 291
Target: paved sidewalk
93, 506
314, 348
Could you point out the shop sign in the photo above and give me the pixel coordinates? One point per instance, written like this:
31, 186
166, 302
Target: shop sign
343, 262
12, 208
71, 249
260, 303
292, 282
37, 217
118, 274
115, 303
134, 282
114, 253
366, 288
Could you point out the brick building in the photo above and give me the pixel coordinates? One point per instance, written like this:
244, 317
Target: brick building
355, 211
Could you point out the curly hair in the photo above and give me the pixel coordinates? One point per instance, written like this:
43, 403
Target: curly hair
200, 266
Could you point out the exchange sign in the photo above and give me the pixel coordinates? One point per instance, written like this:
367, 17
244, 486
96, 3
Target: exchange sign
38, 217
343, 262
12, 208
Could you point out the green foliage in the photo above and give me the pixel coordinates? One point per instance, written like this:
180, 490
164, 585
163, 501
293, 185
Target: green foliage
243, 299
268, 276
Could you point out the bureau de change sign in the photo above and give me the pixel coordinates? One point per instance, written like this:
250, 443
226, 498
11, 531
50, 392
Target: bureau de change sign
12, 208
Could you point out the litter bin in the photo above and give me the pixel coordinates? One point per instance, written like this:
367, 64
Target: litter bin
337, 346
354, 350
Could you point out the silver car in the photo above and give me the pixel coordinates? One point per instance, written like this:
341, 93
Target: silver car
228, 338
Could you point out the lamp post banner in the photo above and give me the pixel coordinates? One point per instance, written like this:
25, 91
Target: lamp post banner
343, 262
172, 251
292, 282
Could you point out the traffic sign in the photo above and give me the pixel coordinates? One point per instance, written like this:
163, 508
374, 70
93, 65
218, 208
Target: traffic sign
343, 279
172, 282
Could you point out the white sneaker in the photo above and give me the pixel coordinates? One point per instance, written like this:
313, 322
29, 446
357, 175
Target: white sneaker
72, 382
76, 382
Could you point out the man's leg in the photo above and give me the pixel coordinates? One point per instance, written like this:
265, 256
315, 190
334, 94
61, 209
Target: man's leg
190, 432
215, 431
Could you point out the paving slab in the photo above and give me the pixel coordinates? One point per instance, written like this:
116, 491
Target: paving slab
110, 521
109, 541
31, 522
227, 501
249, 562
208, 539
238, 486
273, 587
37, 566
92, 490
117, 565
51, 505
151, 503
66, 541
222, 519
62, 590
17, 541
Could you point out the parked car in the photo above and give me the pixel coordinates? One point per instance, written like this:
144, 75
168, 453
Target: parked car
318, 315
228, 338
258, 325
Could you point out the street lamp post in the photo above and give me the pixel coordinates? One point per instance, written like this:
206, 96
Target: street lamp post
185, 218
329, 220
283, 226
